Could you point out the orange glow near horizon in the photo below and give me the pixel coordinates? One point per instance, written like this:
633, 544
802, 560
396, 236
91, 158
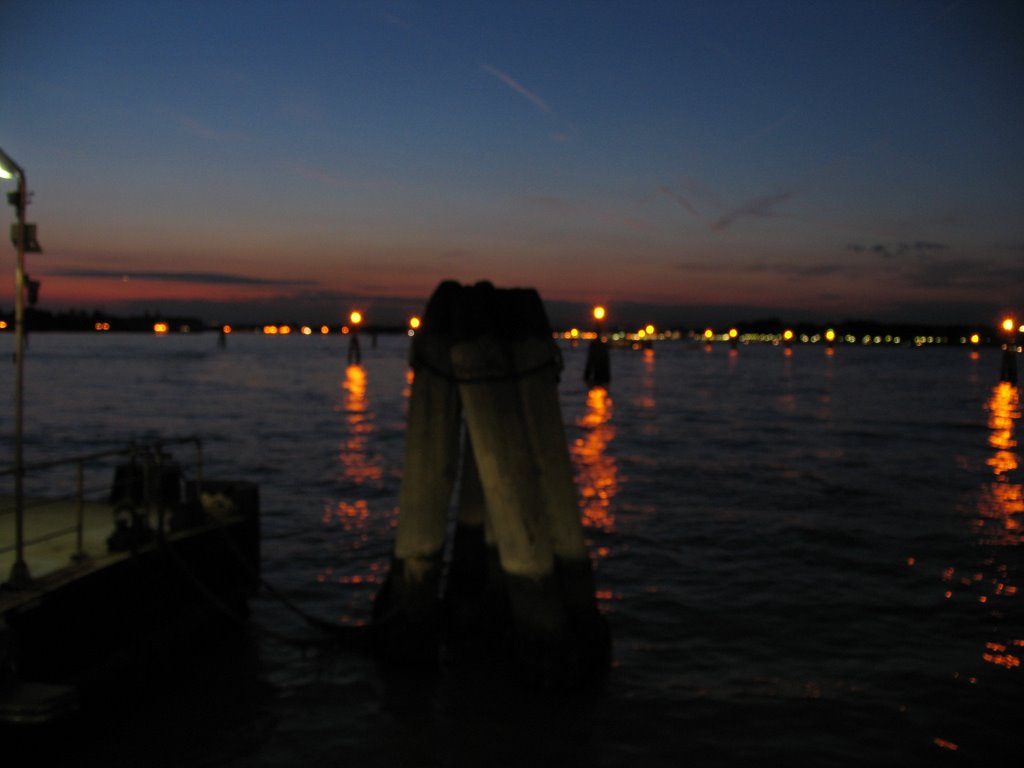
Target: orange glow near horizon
599, 313
1008, 325
160, 328
356, 317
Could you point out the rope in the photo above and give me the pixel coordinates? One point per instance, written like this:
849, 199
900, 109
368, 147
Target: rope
555, 360
353, 637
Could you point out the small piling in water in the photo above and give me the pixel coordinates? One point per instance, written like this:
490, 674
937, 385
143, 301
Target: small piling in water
1008, 366
519, 574
598, 370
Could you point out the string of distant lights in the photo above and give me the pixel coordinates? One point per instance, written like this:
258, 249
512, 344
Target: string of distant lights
1009, 327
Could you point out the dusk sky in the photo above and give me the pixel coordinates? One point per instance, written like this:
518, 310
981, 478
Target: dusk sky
677, 161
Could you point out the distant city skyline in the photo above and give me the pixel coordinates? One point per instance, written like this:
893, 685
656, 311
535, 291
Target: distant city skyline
676, 162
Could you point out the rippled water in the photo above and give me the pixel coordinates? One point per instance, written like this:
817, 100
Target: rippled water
803, 557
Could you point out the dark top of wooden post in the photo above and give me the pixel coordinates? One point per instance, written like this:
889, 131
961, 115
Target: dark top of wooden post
467, 312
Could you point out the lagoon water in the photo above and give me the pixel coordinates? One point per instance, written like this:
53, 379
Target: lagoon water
805, 559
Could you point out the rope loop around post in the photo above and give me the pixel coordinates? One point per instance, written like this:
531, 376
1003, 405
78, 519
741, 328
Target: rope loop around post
555, 361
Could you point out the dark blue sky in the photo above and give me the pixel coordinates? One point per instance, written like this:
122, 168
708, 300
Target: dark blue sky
804, 159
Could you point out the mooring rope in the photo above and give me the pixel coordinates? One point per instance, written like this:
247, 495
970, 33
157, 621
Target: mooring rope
556, 361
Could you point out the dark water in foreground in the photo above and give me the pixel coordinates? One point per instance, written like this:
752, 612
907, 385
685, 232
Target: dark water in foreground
807, 559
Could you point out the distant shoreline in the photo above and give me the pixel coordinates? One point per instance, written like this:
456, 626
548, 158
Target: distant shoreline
848, 331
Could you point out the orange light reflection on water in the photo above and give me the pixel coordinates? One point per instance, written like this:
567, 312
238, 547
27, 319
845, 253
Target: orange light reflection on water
647, 400
1001, 502
351, 514
356, 465
999, 513
596, 470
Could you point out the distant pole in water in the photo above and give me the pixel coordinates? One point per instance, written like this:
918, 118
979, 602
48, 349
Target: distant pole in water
598, 370
354, 354
1008, 367
520, 575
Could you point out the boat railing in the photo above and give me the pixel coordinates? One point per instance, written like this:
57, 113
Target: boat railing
55, 503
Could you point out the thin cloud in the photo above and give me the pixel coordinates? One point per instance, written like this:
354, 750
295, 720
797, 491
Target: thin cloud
197, 128
759, 207
795, 268
195, 278
517, 87
323, 176
770, 128
681, 201
897, 250
984, 275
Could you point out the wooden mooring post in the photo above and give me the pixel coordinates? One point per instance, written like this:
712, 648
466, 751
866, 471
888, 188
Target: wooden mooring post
484, 418
1008, 365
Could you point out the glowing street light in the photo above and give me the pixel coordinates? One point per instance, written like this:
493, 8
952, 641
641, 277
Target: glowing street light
356, 317
599, 315
25, 240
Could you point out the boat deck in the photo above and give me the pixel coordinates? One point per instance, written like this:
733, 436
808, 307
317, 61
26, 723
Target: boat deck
52, 524
51, 550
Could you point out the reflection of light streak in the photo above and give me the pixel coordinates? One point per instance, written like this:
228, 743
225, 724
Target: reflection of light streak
647, 401
1000, 507
1001, 502
356, 465
596, 471
351, 516
1003, 411
410, 376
